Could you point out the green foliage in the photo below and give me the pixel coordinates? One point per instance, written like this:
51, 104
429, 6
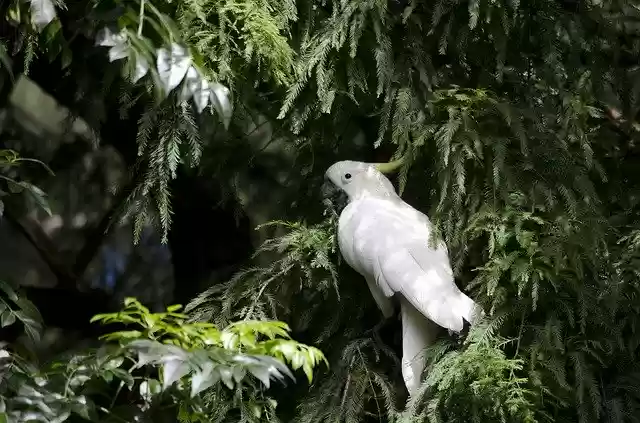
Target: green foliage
358, 384
223, 32
503, 113
16, 308
148, 56
202, 373
10, 185
517, 121
479, 380
300, 264
253, 337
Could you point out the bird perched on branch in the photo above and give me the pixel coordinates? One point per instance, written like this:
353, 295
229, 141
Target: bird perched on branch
387, 241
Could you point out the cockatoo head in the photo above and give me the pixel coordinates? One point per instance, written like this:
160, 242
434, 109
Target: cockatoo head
358, 179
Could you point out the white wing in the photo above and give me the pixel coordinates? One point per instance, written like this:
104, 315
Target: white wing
345, 242
390, 241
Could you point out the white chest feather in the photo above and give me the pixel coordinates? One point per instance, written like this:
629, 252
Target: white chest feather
369, 228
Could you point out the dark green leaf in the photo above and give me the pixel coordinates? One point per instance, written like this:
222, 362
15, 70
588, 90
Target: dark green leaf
7, 318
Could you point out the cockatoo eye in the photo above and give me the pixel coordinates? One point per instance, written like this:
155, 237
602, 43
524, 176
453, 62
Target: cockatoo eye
347, 176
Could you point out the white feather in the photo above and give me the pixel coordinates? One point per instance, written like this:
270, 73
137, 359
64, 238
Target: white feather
418, 332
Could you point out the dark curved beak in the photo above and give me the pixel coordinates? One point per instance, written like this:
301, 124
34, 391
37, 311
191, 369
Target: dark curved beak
333, 196
329, 190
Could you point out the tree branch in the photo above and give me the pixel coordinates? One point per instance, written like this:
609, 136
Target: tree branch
34, 233
67, 275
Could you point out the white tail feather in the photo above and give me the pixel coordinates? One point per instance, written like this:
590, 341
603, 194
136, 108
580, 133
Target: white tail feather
470, 310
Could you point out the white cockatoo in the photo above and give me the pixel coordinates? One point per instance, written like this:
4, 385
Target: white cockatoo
387, 241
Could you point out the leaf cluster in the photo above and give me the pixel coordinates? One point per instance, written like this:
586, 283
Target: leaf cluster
193, 369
